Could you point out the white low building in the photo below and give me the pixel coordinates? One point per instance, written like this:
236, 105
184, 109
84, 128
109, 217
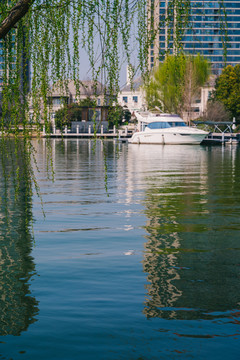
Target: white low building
132, 96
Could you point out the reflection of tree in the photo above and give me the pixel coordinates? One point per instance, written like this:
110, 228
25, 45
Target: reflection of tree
18, 307
161, 290
192, 252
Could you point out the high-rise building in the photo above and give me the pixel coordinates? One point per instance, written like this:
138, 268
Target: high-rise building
213, 30
8, 62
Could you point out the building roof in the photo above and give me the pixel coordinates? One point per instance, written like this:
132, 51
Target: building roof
85, 87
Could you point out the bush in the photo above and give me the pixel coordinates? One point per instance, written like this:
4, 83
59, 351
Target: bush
67, 114
216, 112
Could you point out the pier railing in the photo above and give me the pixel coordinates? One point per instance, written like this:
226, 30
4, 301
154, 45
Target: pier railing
89, 132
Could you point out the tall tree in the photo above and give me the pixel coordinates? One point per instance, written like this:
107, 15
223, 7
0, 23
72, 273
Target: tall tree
196, 73
175, 82
227, 89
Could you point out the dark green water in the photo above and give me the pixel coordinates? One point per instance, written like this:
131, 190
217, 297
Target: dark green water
151, 271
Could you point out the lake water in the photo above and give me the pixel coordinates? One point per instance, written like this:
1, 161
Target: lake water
147, 269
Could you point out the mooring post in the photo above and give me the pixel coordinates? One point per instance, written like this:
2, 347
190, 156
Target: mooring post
223, 138
234, 124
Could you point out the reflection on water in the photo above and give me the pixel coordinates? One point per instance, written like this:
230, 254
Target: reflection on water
18, 307
163, 246
192, 257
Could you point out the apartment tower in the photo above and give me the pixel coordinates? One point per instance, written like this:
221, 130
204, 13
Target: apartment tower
8, 62
213, 30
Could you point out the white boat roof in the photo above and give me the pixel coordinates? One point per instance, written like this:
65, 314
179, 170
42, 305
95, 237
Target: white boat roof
147, 117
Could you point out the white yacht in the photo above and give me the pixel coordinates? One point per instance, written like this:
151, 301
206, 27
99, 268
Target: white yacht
165, 129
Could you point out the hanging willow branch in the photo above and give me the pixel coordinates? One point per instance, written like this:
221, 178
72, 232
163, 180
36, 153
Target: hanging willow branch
50, 36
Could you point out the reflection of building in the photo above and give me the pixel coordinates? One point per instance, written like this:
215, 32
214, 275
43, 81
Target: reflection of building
18, 307
213, 28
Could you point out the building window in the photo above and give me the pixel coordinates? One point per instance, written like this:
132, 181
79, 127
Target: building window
99, 102
59, 101
125, 99
135, 99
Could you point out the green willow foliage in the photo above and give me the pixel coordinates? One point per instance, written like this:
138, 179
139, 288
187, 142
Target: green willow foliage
50, 38
176, 82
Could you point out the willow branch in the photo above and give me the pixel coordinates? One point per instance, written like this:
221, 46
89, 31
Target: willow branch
15, 14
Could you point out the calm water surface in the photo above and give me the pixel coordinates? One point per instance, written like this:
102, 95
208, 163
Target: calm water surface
151, 271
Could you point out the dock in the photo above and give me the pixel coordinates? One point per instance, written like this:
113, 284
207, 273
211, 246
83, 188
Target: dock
122, 135
221, 134
221, 139
217, 137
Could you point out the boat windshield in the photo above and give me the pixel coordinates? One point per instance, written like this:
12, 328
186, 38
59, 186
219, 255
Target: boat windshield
164, 125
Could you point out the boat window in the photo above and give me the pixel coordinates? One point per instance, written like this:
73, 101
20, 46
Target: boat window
158, 125
173, 124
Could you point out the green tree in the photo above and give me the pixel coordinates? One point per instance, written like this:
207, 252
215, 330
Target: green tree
73, 112
88, 102
175, 82
67, 114
196, 74
227, 90
126, 114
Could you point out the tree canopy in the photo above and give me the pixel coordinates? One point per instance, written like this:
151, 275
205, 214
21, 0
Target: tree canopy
175, 82
227, 90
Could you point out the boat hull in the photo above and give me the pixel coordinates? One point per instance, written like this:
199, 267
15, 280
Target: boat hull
164, 138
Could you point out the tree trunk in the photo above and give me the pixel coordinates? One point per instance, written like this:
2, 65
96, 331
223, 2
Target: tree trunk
15, 14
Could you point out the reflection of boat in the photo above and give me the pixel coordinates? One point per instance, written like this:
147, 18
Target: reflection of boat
165, 129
